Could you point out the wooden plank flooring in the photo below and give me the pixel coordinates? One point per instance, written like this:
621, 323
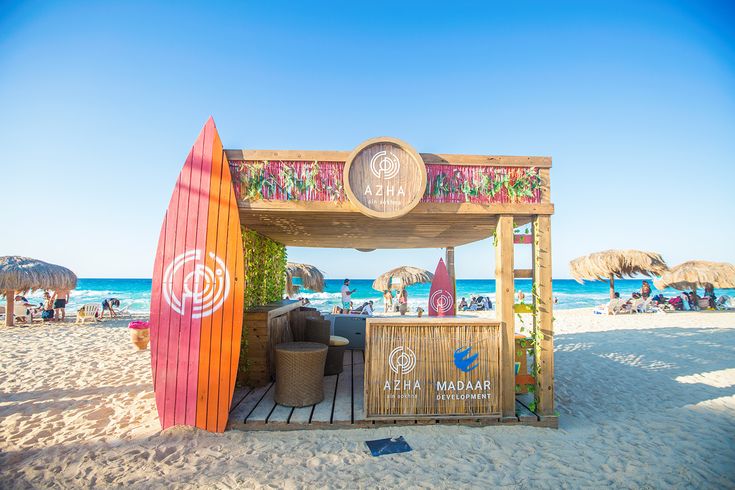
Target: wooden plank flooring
342, 407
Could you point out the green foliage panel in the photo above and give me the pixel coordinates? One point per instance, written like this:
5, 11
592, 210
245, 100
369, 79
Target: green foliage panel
265, 280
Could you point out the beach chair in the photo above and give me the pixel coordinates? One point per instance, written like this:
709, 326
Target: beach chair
615, 306
88, 312
647, 306
124, 311
636, 304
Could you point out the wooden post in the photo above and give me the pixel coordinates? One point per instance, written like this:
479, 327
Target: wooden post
544, 320
452, 276
504, 297
612, 286
9, 308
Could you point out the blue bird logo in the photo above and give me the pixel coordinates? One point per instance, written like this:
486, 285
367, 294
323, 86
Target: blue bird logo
463, 359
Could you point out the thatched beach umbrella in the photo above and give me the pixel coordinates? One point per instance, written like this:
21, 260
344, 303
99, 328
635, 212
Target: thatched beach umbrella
607, 265
311, 278
401, 277
22, 274
698, 274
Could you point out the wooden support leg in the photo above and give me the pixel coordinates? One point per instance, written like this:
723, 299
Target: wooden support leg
504, 297
9, 308
452, 276
544, 320
612, 286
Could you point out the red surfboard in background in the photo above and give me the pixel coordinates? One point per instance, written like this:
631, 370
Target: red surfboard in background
441, 295
197, 293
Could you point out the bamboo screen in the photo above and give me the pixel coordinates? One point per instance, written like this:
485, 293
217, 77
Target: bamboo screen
422, 370
323, 181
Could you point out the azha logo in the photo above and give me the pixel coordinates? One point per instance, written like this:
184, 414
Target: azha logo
202, 289
464, 359
441, 301
385, 165
402, 360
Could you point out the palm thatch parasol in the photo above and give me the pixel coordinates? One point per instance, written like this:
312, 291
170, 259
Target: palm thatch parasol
401, 277
698, 274
609, 264
22, 274
311, 278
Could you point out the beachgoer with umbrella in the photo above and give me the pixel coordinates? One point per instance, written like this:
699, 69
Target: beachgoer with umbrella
26, 274
694, 274
400, 278
610, 264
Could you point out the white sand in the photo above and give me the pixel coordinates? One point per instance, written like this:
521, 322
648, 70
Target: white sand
644, 401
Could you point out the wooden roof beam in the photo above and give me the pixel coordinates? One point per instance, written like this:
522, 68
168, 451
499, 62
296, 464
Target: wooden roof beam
429, 158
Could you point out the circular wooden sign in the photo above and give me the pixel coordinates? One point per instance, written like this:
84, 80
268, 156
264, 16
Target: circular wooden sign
385, 177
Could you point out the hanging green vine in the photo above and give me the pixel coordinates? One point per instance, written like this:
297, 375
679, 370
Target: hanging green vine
265, 279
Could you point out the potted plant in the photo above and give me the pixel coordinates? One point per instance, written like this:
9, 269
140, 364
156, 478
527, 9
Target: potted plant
140, 334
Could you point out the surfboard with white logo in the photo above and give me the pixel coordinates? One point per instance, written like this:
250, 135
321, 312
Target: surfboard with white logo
197, 293
441, 295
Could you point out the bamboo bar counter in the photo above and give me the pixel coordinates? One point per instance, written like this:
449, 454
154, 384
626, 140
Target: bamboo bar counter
433, 368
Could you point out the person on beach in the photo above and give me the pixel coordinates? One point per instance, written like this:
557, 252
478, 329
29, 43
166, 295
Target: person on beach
22, 309
61, 298
110, 304
709, 293
487, 304
367, 309
48, 308
521, 297
403, 301
645, 290
388, 299
346, 295
474, 304
462, 305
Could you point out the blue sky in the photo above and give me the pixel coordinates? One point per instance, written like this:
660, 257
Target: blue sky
101, 101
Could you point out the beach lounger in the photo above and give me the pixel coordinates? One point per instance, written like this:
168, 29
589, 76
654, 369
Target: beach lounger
613, 307
636, 305
124, 311
88, 312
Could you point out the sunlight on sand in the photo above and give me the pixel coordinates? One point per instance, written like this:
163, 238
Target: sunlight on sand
645, 401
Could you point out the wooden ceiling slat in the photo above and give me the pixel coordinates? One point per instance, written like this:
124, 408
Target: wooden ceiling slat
359, 231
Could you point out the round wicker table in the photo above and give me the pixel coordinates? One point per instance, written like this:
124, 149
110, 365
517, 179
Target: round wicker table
299, 373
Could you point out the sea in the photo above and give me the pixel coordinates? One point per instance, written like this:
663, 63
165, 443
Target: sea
136, 293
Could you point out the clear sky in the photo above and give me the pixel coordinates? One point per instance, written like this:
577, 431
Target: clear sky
100, 103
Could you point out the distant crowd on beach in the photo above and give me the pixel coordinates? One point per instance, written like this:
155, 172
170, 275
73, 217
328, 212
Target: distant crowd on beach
52, 307
392, 302
642, 301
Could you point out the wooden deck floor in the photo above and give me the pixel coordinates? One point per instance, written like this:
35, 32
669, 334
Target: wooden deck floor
342, 407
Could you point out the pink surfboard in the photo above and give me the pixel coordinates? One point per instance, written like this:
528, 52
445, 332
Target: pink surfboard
197, 293
441, 295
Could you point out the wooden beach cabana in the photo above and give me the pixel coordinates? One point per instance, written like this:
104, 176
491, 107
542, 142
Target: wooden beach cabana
383, 194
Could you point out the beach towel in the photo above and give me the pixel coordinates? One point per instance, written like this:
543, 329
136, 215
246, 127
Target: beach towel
380, 447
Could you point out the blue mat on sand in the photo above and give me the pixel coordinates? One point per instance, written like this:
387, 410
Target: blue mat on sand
379, 447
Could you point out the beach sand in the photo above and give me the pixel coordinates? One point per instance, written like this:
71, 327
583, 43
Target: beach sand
645, 401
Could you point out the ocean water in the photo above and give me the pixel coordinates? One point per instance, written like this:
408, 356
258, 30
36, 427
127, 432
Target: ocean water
136, 293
